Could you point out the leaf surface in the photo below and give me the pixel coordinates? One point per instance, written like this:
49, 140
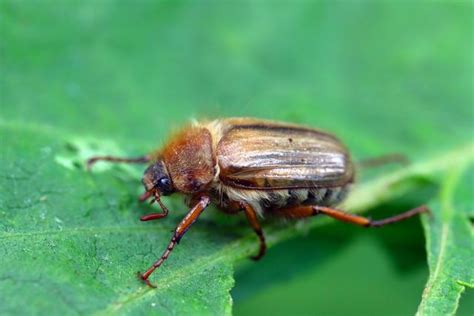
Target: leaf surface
72, 239
450, 248
116, 77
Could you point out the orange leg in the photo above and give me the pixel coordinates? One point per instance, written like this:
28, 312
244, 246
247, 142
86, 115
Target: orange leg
183, 226
93, 160
306, 211
253, 220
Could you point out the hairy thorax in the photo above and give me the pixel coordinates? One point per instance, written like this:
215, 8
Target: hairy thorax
190, 160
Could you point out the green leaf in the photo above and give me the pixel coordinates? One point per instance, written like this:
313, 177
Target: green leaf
116, 77
72, 243
450, 248
75, 237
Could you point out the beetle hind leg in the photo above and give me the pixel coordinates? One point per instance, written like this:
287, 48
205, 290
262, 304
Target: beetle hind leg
383, 160
307, 211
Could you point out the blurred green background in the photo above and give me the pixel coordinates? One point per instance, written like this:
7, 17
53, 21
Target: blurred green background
384, 76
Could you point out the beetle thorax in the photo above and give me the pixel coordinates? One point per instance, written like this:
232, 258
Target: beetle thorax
189, 159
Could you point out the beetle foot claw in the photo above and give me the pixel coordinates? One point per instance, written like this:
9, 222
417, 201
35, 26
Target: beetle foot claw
145, 280
257, 257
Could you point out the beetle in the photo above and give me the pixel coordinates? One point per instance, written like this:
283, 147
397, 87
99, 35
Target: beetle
258, 167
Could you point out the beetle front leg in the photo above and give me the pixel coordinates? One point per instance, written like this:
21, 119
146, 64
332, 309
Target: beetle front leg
142, 159
253, 220
182, 228
307, 211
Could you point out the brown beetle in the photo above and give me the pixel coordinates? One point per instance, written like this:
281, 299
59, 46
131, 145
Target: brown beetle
255, 166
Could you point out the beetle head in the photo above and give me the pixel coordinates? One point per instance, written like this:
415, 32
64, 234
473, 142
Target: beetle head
157, 181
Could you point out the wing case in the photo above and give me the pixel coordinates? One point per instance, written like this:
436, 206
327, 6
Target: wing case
267, 155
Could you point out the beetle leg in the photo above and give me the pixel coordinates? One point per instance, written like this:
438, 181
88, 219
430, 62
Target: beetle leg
183, 226
91, 161
253, 220
383, 160
306, 211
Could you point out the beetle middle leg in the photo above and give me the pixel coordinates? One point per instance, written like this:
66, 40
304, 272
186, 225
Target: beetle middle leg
253, 220
307, 211
234, 207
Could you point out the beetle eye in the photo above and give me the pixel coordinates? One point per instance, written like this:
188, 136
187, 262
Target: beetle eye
164, 184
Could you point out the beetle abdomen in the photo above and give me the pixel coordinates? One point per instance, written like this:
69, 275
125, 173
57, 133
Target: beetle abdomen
292, 197
269, 200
